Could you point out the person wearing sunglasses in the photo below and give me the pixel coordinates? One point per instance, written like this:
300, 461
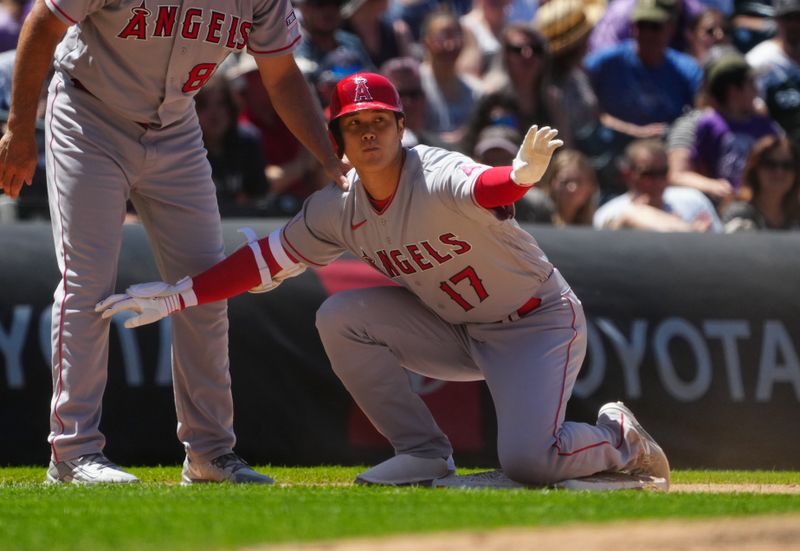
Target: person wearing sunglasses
708, 29
773, 178
651, 204
519, 88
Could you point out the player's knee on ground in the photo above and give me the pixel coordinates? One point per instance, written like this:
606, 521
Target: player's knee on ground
531, 466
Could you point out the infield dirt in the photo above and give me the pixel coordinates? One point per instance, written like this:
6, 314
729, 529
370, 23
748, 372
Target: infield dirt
769, 533
753, 533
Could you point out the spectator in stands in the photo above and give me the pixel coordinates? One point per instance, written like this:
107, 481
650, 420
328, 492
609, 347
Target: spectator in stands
772, 174
726, 132
234, 150
571, 184
496, 145
383, 37
615, 26
403, 72
519, 88
566, 25
565, 28
291, 169
450, 95
322, 34
482, 27
334, 67
776, 63
7, 60
642, 85
413, 12
681, 139
707, 29
650, 203
12, 15
491, 110
752, 22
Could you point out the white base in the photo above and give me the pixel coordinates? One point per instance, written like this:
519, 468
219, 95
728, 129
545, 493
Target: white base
601, 482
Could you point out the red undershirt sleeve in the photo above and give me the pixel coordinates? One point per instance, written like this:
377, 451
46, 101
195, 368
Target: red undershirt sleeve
233, 276
495, 188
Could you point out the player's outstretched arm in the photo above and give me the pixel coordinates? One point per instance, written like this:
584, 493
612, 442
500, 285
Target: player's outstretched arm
534, 155
259, 266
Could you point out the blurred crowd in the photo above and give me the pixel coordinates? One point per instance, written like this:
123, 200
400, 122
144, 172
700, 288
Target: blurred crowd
677, 115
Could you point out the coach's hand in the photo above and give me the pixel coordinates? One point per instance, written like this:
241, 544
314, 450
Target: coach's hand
336, 169
534, 155
18, 158
152, 301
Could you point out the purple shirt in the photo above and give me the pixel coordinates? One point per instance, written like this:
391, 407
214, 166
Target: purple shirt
721, 146
10, 27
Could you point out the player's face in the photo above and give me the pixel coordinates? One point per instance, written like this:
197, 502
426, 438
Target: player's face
371, 138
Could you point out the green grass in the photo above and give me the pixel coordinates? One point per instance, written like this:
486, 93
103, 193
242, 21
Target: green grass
318, 503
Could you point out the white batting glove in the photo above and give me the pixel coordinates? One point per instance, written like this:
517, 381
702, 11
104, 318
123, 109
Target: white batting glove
534, 155
152, 301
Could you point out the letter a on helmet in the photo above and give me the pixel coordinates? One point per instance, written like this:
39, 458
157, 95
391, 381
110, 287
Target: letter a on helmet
363, 91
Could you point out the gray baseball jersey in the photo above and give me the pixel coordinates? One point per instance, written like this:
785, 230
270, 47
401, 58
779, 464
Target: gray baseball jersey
121, 125
465, 262
146, 59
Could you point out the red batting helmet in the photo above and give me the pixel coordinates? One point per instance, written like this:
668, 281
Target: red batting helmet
362, 91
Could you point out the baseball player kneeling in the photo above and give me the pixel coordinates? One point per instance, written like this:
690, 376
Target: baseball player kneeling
477, 300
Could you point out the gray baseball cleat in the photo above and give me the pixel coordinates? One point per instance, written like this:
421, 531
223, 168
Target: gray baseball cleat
407, 470
93, 468
225, 468
651, 459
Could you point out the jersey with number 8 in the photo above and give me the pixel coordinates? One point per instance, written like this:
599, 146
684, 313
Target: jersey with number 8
155, 55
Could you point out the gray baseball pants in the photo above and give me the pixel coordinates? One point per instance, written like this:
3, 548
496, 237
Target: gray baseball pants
96, 160
530, 365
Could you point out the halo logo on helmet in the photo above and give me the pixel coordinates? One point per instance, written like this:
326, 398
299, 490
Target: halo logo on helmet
362, 92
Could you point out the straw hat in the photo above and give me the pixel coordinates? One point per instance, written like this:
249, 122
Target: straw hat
563, 23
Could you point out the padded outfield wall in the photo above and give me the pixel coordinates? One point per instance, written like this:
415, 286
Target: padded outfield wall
699, 334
